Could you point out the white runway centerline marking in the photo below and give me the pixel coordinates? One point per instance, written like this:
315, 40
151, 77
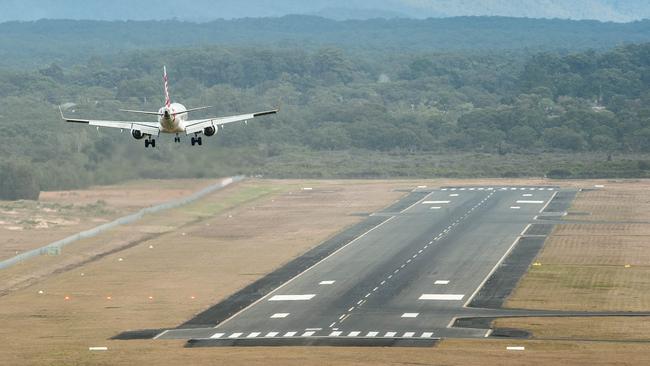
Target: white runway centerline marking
523, 201
442, 297
279, 315
434, 202
453, 195
441, 282
435, 207
326, 282
515, 207
410, 315
292, 297
527, 195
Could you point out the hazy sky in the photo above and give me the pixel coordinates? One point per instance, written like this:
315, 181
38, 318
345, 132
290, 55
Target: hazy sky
203, 10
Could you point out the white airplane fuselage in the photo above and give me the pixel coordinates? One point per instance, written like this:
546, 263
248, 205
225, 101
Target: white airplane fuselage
172, 118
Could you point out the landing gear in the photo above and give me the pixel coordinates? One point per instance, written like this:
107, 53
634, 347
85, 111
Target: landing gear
177, 139
149, 142
196, 140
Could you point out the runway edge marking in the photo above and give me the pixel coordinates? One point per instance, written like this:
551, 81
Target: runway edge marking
305, 271
505, 255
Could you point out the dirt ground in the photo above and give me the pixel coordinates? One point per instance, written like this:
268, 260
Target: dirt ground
26, 225
172, 265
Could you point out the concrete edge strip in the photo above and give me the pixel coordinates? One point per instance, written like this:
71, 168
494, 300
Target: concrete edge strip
117, 222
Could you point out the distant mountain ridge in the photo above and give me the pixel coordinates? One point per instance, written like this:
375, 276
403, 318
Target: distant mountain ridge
28, 44
206, 10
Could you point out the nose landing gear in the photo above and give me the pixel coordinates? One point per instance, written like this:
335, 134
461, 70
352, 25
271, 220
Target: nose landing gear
177, 139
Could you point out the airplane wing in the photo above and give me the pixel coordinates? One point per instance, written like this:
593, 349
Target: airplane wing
198, 125
149, 128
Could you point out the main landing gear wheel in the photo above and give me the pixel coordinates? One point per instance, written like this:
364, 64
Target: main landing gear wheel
196, 140
177, 139
148, 143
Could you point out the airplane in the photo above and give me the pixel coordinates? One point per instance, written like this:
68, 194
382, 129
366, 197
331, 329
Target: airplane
172, 118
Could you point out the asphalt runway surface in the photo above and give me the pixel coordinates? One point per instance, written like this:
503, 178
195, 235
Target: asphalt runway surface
406, 280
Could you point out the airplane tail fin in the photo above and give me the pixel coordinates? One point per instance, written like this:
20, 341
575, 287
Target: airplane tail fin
168, 100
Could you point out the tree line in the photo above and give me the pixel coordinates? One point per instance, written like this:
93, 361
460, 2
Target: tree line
332, 100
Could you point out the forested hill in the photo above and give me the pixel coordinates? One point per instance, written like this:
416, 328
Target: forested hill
28, 44
343, 115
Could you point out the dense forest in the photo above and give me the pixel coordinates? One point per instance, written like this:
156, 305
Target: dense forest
344, 113
67, 42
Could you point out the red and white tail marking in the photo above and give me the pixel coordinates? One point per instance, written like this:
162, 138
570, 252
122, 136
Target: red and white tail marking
168, 101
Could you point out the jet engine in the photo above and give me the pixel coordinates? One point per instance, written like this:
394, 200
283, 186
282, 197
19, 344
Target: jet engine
138, 135
209, 131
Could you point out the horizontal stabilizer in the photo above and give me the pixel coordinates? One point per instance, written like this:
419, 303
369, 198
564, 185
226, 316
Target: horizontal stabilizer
192, 110
141, 112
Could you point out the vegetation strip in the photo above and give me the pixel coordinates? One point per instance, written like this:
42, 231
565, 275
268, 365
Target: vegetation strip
57, 245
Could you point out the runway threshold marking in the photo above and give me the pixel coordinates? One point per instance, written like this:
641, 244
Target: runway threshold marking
442, 297
292, 297
217, 335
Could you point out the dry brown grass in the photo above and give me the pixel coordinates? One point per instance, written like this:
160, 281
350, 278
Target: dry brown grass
26, 225
187, 268
593, 267
231, 239
620, 202
599, 328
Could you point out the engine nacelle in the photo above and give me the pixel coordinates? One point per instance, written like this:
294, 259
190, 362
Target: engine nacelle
209, 131
138, 135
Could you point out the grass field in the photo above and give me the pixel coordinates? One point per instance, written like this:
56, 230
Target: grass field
172, 265
599, 265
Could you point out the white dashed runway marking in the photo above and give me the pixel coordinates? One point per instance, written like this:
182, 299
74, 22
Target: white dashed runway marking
441, 282
442, 297
279, 315
410, 315
292, 297
326, 282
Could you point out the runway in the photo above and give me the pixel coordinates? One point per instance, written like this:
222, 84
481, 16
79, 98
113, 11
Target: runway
407, 279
